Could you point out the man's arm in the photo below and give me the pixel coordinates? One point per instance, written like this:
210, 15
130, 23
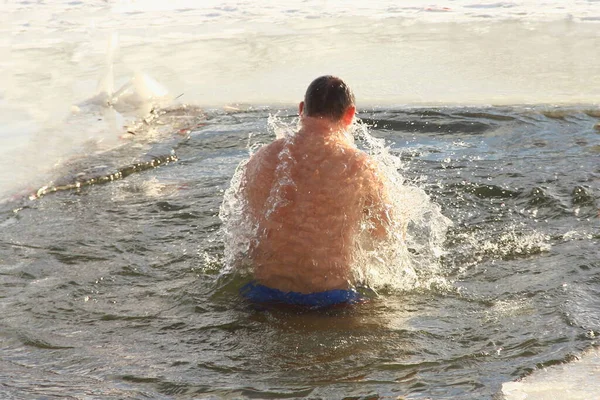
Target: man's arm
258, 176
378, 205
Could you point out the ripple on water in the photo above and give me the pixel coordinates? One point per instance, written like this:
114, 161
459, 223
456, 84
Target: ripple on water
118, 290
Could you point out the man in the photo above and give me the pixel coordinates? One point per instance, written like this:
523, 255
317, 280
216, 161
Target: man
310, 197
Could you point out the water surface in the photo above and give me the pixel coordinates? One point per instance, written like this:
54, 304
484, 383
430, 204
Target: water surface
113, 287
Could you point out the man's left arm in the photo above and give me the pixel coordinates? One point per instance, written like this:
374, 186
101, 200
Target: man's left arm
378, 205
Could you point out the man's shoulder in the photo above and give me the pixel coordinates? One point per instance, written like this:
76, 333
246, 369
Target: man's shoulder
265, 157
368, 168
270, 149
360, 160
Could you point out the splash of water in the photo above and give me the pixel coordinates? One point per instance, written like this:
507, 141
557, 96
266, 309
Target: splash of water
407, 259
140, 93
238, 229
410, 257
93, 125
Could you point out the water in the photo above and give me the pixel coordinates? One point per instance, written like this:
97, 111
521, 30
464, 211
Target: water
111, 249
114, 289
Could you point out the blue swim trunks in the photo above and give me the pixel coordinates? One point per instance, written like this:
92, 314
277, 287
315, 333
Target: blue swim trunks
258, 293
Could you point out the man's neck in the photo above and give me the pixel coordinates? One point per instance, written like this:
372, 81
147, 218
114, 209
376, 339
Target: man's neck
323, 127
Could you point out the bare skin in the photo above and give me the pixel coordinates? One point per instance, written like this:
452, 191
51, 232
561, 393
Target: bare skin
308, 196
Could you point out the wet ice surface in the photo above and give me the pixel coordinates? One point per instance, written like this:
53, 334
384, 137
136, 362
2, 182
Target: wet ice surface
576, 380
52, 55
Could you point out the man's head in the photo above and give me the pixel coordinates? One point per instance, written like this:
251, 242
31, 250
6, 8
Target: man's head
329, 97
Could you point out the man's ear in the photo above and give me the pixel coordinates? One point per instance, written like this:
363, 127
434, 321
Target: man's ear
349, 115
301, 108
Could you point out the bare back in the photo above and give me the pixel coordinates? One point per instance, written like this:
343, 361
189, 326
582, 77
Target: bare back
308, 195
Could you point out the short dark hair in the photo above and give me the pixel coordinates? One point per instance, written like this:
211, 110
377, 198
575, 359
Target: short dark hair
328, 96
